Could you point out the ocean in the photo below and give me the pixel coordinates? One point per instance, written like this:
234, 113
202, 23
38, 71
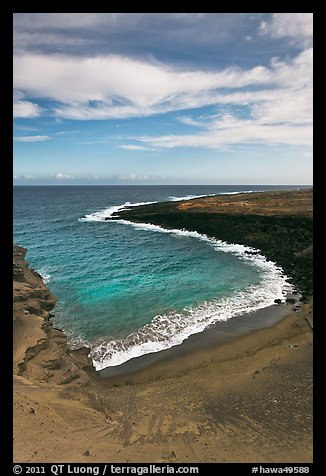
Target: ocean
125, 289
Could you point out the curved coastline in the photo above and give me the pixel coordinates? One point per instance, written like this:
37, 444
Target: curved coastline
278, 223
203, 401
214, 336
206, 402
178, 328
161, 217
289, 207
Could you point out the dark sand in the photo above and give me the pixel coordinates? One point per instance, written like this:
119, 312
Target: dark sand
216, 335
237, 393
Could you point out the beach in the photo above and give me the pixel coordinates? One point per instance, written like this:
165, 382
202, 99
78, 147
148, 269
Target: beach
245, 398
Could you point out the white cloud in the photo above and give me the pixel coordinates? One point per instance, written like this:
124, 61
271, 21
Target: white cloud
131, 176
134, 147
100, 87
236, 132
298, 26
25, 109
280, 114
134, 177
62, 177
277, 114
65, 133
278, 98
26, 128
189, 121
31, 138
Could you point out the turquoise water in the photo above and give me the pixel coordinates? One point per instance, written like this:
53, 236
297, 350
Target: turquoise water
127, 290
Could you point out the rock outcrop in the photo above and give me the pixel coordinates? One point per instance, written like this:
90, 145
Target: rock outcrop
41, 352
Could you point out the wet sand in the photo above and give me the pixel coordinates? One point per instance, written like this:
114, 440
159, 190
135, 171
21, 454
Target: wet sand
249, 399
236, 393
216, 335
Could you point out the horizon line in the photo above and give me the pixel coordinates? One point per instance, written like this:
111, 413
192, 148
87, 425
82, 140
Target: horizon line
161, 185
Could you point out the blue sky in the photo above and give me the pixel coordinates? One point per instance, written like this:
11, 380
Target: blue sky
162, 98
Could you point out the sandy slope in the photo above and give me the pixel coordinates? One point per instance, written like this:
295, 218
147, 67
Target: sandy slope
247, 400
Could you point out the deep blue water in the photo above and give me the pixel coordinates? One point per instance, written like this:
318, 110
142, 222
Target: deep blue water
127, 290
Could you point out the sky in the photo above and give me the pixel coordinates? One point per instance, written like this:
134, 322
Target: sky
162, 98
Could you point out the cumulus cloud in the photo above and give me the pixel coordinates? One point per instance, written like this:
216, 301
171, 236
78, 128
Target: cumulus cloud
135, 177
25, 109
62, 177
31, 138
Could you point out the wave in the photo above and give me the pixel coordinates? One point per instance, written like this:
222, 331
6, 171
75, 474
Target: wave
168, 330
46, 277
242, 191
108, 212
189, 197
101, 215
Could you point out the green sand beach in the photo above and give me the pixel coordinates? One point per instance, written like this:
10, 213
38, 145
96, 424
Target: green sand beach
247, 398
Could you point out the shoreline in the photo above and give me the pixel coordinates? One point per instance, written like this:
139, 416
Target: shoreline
278, 223
41, 330
246, 400
40, 350
259, 205
216, 335
242, 395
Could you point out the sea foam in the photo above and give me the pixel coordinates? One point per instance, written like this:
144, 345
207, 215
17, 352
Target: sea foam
45, 275
101, 215
189, 197
237, 193
168, 330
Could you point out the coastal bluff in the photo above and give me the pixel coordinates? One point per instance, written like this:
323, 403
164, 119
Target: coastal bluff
278, 223
249, 399
40, 351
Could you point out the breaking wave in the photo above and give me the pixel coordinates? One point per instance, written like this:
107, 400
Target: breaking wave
168, 330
